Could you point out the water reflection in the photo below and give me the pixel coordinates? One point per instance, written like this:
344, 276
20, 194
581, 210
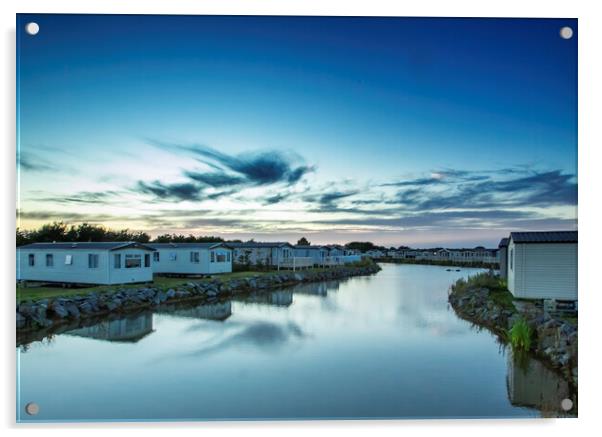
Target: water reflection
214, 311
380, 346
532, 384
281, 298
129, 329
263, 336
316, 288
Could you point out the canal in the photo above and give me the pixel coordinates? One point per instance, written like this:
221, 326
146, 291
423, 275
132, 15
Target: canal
381, 346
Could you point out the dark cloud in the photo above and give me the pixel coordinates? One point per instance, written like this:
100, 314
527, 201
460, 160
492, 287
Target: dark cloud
173, 192
277, 198
229, 173
327, 202
216, 180
65, 216
30, 163
251, 168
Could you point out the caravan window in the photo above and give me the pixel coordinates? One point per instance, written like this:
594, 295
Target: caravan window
133, 261
511, 259
195, 257
173, 256
92, 261
31, 260
227, 256
68, 260
156, 256
49, 260
212, 256
117, 261
146, 260
221, 257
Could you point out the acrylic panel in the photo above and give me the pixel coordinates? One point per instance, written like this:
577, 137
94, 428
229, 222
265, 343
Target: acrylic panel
286, 217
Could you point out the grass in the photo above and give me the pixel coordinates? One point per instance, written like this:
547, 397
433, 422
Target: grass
48, 291
498, 290
521, 335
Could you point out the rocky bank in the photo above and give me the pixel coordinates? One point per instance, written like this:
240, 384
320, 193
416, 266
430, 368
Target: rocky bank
555, 339
46, 314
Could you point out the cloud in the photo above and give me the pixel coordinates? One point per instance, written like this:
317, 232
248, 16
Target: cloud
90, 197
228, 173
66, 216
253, 168
277, 198
29, 163
216, 180
327, 202
493, 190
173, 192
473, 219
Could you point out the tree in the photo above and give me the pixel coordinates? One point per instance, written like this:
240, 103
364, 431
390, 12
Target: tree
303, 242
50, 232
362, 246
22, 237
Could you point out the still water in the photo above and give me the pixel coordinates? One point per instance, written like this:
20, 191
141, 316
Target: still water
384, 346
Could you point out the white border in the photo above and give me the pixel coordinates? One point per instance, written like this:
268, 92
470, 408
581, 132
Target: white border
590, 75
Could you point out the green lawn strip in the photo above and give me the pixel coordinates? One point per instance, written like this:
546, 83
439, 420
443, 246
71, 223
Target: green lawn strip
36, 293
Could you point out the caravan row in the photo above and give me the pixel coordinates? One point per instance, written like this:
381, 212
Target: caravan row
110, 263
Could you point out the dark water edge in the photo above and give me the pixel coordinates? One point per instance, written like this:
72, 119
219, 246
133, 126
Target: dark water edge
368, 347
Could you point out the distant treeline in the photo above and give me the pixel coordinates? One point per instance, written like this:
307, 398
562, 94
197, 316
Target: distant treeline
61, 232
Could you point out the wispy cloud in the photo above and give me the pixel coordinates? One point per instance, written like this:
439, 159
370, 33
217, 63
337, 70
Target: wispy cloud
82, 197
538, 188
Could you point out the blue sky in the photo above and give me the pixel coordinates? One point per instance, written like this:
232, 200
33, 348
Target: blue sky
395, 130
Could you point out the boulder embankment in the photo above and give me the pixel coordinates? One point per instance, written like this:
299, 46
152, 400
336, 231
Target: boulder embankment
485, 302
47, 313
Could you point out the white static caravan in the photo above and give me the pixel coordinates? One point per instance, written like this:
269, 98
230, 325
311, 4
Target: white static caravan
335, 250
318, 254
543, 265
85, 263
264, 254
192, 258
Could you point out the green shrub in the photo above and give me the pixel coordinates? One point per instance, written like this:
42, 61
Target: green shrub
521, 335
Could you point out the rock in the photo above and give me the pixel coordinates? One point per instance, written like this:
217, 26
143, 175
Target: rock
72, 310
171, 293
21, 321
59, 310
85, 307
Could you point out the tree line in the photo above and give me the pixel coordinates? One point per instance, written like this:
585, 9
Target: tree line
61, 232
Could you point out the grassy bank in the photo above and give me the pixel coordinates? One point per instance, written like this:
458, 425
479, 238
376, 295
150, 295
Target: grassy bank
498, 290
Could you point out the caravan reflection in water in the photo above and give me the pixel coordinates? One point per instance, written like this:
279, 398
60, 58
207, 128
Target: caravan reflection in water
219, 311
129, 329
280, 298
531, 384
